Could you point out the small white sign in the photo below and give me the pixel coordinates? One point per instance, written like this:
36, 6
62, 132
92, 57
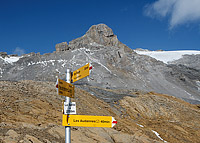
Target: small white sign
70, 108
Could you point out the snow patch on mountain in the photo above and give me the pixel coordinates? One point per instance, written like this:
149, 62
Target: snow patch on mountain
43, 63
198, 84
1, 72
157, 134
95, 44
10, 59
167, 56
140, 125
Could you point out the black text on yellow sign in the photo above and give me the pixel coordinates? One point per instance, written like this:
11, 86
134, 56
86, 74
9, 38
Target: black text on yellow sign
81, 73
88, 121
65, 89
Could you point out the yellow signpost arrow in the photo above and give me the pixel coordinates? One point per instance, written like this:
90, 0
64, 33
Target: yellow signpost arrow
65, 89
81, 72
88, 121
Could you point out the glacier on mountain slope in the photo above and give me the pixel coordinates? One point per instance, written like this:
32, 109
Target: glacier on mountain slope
10, 59
167, 56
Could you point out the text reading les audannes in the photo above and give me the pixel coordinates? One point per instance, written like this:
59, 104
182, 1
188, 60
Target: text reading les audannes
91, 121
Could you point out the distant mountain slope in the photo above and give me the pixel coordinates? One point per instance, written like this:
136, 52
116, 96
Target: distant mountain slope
115, 66
185, 65
168, 56
191, 61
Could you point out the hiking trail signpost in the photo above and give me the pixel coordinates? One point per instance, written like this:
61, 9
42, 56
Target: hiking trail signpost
81, 72
65, 88
88, 121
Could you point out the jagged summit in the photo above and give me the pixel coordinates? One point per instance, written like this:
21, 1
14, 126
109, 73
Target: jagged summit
103, 35
98, 35
101, 29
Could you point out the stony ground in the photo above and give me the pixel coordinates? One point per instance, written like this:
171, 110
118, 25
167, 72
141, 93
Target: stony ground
31, 112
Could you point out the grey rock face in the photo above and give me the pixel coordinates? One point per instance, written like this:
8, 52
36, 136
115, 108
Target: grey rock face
102, 35
98, 36
191, 61
62, 47
114, 66
3, 54
187, 69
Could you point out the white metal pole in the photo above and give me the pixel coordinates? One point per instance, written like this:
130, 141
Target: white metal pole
68, 100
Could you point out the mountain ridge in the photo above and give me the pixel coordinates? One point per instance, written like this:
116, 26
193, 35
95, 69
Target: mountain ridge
97, 36
115, 66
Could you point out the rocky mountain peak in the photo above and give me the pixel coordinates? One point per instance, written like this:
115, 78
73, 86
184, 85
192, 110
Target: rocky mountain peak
97, 36
103, 35
100, 29
3, 54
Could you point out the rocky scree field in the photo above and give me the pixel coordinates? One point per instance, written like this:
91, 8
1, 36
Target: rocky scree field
31, 112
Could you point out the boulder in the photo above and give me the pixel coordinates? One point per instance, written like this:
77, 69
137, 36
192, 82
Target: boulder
62, 47
3, 54
31, 139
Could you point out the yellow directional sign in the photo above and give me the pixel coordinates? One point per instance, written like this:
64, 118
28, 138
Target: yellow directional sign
81, 73
88, 121
65, 89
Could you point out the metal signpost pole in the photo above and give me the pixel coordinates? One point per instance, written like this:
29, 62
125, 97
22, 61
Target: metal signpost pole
68, 100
